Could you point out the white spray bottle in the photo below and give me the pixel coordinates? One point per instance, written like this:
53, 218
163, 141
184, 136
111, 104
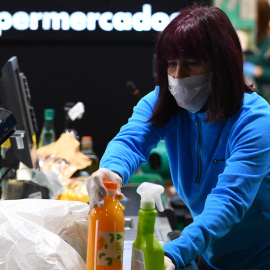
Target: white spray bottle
147, 252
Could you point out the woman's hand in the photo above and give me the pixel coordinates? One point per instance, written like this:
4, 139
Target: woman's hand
169, 265
96, 189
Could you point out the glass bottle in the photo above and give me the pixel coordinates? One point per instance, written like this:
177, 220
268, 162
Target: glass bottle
47, 134
87, 149
105, 234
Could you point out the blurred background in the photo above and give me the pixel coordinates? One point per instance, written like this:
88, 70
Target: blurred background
87, 62
91, 66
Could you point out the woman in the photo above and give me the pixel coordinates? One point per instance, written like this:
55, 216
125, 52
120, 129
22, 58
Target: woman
216, 131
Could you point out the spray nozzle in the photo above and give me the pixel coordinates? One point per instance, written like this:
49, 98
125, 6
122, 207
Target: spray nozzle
151, 195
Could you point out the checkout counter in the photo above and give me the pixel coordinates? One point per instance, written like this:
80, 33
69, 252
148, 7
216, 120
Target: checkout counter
165, 221
58, 233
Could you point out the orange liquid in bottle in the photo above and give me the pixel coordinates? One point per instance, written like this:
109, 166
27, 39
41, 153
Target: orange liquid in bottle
105, 236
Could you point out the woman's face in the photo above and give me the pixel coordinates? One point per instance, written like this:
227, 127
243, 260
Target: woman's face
188, 68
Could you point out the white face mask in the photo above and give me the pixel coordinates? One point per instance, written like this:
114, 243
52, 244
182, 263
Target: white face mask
191, 93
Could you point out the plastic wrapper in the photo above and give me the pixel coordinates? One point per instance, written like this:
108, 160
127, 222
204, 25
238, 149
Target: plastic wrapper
43, 234
75, 191
64, 161
61, 167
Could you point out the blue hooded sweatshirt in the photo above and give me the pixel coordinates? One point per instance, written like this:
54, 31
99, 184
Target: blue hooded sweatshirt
220, 170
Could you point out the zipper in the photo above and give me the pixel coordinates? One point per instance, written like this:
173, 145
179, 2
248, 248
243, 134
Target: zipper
199, 147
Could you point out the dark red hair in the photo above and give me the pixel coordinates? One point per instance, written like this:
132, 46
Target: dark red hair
198, 33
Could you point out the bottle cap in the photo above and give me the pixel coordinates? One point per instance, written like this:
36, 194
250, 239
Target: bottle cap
110, 185
86, 138
49, 114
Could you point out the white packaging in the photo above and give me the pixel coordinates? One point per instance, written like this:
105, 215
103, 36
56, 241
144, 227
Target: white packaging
50, 231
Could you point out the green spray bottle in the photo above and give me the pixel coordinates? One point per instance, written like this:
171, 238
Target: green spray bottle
147, 252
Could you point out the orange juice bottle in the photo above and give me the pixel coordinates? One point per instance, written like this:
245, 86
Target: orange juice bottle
106, 234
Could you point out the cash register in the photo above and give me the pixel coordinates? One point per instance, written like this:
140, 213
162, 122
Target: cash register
18, 124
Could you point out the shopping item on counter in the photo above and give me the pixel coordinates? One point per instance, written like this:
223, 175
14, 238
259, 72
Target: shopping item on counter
106, 233
147, 252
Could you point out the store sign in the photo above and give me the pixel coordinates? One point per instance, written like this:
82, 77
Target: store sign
80, 21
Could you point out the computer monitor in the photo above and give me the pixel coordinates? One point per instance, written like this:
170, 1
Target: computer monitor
15, 97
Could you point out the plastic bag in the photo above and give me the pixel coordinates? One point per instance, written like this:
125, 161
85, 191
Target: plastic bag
75, 191
61, 167
47, 179
51, 233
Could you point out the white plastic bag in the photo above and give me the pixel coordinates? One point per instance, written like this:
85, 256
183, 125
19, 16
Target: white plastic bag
43, 224
27, 246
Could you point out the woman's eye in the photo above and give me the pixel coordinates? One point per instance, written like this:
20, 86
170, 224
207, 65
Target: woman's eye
172, 64
192, 63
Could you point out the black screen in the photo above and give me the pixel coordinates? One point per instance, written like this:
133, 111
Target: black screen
15, 97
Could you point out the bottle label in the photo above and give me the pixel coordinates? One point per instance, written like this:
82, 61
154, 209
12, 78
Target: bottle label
110, 248
137, 261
